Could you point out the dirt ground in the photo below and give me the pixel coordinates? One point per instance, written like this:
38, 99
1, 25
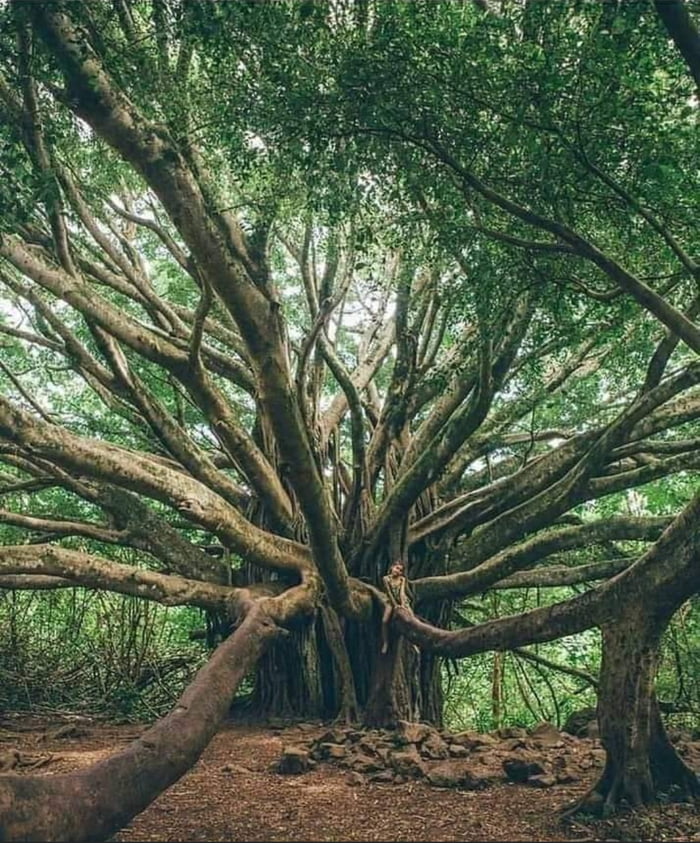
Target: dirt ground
233, 794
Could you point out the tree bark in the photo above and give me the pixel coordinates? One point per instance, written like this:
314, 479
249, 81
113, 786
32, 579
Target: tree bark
334, 670
641, 761
92, 804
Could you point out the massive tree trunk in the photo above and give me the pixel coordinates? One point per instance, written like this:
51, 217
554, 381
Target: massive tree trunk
641, 761
333, 669
92, 804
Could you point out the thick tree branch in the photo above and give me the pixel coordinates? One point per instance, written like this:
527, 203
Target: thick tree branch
664, 577
506, 563
137, 472
676, 18
218, 243
96, 572
34, 807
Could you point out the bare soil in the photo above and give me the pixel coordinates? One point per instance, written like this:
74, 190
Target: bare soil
234, 794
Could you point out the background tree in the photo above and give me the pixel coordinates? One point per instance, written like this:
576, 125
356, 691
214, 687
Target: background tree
294, 290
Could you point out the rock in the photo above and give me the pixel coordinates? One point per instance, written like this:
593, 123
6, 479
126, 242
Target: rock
474, 740
542, 781
306, 727
294, 760
458, 773
354, 778
8, 760
567, 776
365, 763
408, 764
577, 722
457, 750
545, 734
368, 746
332, 736
331, 751
563, 772
599, 757
434, 747
383, 752
512, 732
515, 743
521, 768
408, 732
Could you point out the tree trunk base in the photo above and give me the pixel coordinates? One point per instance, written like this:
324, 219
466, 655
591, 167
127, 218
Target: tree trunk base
612, 793
642, 764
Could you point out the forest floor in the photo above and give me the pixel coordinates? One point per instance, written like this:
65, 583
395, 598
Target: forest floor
234, 794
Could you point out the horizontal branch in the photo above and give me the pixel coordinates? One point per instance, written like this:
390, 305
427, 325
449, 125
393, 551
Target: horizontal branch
97, 572
558, 575
659, 582
33, 582
60, 527
135, 471
506, 563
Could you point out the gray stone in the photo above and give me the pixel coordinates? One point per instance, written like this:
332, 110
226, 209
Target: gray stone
333, 736
332, 751
577, 722
294, 760
434, 747
365, 763
457, 750
521, 768
512, 744
458, 773
567, 776
563, 772
474, 740
236, 769
408, 764
512, 732
382, 776
408, 732
368, 746
545, 734
9, 760
384, 752
542, 781
599, 757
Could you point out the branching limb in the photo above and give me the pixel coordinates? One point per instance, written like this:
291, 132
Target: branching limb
506, 563
139, 473
667, 574
679, 25
96, 572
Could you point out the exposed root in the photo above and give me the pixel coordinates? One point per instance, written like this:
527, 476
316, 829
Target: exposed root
605, 799
590, 803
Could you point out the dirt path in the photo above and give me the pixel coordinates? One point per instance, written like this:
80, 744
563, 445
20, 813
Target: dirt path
233, 794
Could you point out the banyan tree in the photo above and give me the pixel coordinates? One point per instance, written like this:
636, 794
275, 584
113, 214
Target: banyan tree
292, 290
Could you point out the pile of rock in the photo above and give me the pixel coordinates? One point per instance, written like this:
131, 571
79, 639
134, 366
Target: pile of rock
540, 757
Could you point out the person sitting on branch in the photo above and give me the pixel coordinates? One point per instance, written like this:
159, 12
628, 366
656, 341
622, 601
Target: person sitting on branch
398, 592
